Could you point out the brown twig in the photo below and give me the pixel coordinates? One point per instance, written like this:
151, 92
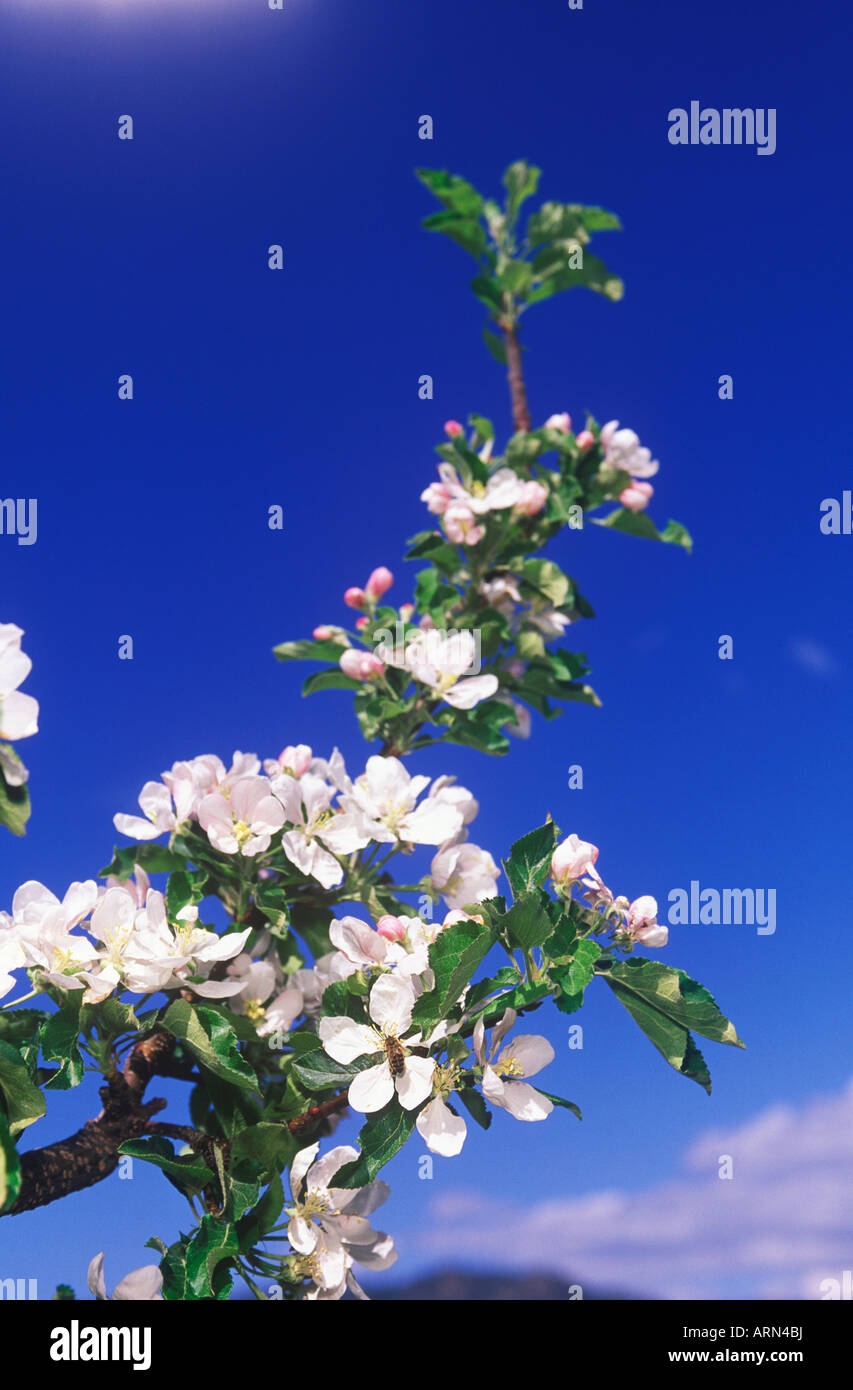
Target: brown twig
515, 376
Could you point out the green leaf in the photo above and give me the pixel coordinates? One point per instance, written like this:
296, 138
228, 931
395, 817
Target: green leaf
529, 859
452, 191
58, 1043
312, 924
154, 859
527, 923
381, 1138
212, 1040
560, 1103
496, 346
309, 651
640, 524
21, 1025
271, 1146
475, 1105
24, 1102
332, 679
14, 801
209, 1255
521, 181
317, 1071
465, 231
10, 1166
188, 1173
574, 976
453, 958
675, 994
257, 1223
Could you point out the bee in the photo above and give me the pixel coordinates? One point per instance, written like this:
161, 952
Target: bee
396, 1056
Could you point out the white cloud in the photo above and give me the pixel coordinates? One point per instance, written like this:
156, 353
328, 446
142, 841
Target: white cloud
778, 1228
812, 657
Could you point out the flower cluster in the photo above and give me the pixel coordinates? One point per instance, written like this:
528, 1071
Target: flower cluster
573, 862
18, 712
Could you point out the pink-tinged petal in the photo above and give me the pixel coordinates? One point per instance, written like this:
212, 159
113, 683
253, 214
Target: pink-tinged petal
359, 942
524, 1102
431, 823
140, 1284
493, 1087
18, 716
302, 1235
530, 1051
214, 989
391, 1003
95, 1277
415, 1084
135, 828
468, 693
442, 1131
300, 1165
345, 1040
371, 1090
325, 1168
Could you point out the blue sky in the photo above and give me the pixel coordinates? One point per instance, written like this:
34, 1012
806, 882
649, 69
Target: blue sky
300, 388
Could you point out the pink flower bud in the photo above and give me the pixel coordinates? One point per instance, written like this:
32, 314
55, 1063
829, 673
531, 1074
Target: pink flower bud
322, 633
360, 666
585, 439
391, 928
452, 428
361, 623
354, 598
295, 758
572, 859
559, 422
643, 924
406, 611
379, 582
636, 496
533, 498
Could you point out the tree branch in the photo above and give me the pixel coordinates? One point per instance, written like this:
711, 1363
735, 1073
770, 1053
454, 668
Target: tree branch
515, 376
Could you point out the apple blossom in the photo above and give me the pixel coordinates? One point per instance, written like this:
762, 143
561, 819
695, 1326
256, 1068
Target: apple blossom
245, 822
572, 859
585, 439
18, 712
354, 598
140, 1285
636, 497
532, 498
559, 422
382, 802
442, 1131
439, 661
642, 923
452, 428
390, 1005
295, 761
360, 666
328, 1227
317, 833
461, 526
622, 450
463, 873
524, 1056
392, 928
